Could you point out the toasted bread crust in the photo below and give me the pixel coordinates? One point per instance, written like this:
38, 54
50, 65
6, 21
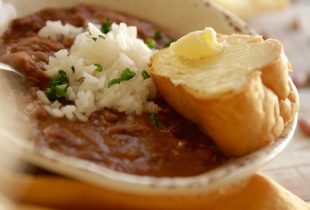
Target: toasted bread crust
240, 121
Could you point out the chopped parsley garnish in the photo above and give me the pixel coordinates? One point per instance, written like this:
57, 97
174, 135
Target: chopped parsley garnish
99, 68
126, 75
157, 34
73, 69
114, 82
58, 86
154, 119
102, 37
61, 90
150, 43
169, 43
105, 27
61, 77
145, 74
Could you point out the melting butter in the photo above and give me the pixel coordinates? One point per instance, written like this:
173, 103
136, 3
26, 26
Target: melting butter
197, 45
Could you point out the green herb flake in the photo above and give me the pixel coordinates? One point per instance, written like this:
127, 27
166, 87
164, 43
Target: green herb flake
145, 74
57, 87
60, 78
100, 36
61, 90
157, 34
126, 75
150, 43
154, 119
94, 38
170, 42
51, 93
114, 82
99, 68
73, 69
105, 27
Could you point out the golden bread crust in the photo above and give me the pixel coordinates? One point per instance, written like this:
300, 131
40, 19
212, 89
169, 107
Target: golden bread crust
239, 121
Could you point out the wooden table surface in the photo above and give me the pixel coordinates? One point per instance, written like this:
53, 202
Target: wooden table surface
292, 27
292, 167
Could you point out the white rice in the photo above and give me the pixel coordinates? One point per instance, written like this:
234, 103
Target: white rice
54, 111
56, 30
7, 13
88, 89
41, 95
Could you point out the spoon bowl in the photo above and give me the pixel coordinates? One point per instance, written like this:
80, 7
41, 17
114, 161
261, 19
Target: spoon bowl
9, 69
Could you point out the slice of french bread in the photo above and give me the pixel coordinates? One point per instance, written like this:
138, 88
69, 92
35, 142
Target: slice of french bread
242, 98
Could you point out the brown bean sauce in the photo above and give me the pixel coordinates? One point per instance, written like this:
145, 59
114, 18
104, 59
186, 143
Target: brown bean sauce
125, 143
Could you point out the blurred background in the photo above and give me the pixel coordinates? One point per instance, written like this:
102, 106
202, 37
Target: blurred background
288, 21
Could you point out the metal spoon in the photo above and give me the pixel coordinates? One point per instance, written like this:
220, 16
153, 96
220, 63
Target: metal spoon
7, 68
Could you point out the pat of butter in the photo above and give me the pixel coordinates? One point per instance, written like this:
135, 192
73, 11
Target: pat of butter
197, 45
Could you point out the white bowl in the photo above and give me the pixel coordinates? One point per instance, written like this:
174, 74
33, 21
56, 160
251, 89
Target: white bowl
181, 16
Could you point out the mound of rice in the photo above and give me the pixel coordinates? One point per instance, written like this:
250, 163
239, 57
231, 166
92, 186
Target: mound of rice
7, 13
88, 88
55, 30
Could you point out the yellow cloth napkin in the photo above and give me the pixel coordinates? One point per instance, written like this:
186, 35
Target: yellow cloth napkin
255, 193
